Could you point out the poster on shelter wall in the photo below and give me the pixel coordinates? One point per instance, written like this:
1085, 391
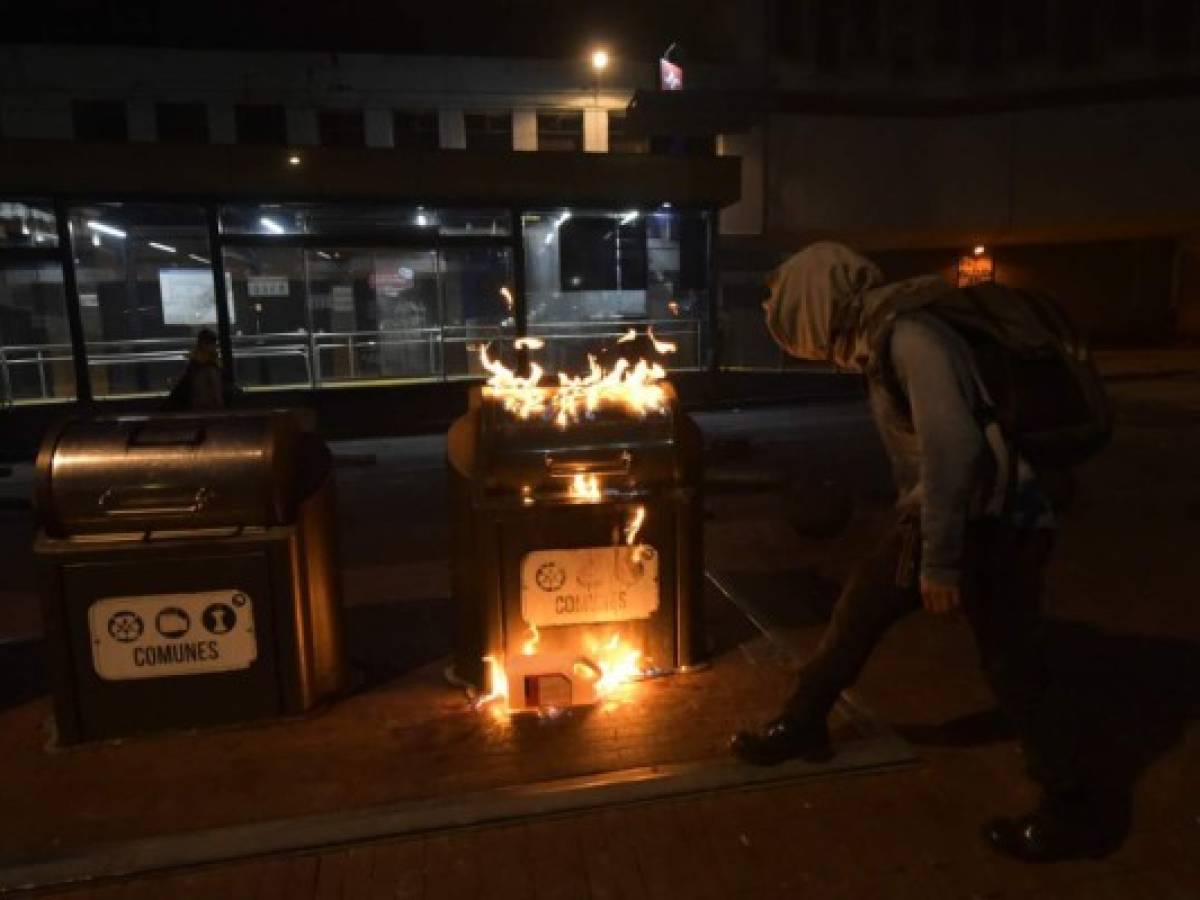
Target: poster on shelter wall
188, 297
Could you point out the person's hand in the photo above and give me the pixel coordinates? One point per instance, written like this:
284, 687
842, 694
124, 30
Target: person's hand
940, 598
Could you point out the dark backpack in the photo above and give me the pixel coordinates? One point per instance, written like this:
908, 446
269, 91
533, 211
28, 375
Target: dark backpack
1046, 393
180, 397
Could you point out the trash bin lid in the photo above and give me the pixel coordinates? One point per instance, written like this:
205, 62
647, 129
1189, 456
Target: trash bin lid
119, 474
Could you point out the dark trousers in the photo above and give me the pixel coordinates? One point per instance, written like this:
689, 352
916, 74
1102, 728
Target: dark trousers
1002, 577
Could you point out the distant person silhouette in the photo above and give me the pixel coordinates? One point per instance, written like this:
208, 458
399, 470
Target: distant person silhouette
200, 387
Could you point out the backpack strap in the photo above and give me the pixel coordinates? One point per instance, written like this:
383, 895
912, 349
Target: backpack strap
883, 372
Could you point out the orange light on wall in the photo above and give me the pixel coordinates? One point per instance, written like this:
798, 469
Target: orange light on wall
977, 267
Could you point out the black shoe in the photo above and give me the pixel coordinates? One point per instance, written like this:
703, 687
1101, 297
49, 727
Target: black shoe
781, 740
1053, 833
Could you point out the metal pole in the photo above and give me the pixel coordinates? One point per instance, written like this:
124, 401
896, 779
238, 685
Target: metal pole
314, 371
224, 326
42, 372
8, 388
83, 379
714, 292
520, 305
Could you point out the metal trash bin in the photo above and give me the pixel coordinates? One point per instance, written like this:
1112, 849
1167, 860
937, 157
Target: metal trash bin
188, 571
568, 538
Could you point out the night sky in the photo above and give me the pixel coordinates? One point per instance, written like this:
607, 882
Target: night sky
540, 28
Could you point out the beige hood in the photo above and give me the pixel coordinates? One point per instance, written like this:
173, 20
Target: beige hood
826, 298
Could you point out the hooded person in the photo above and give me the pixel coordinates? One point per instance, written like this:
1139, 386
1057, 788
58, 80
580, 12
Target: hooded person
958, 542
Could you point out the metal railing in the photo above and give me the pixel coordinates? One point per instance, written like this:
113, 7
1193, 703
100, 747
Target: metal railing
329, 358
15, 359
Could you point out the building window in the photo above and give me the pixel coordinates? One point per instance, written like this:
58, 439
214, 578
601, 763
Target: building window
620, 141
341, 128
477, 305
261, 125
375, 313
269, 316
182, 123
560, 130
146, 288
27, 224
416, 129
336, 297
100, 120
35, 340
356, 220
591, 275
602, 253
489, 131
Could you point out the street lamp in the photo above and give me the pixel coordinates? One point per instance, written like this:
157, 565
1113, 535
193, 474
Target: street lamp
599, 64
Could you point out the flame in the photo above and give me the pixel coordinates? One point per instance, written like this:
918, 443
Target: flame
498, 684
605, 664
635, 388
618, 663
531, 642
521, 396
529, 343
635, 525
660, 346
586, 487
630, 335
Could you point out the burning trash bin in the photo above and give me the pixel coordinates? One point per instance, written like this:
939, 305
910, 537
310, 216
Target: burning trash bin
576, 534
188, 571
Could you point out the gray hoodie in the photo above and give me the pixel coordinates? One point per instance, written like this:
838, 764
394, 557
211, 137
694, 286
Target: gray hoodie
824, 304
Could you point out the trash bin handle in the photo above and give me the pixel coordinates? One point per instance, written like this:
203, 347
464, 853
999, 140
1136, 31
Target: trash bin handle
167, 433
141, 500
569, 468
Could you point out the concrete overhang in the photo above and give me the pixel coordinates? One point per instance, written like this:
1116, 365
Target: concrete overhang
131, 170
696, 113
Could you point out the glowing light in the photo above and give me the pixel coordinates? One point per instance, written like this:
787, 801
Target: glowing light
531, 641
586, 487
199, 259
619, 663
497, 685
630, 335
529, 343
105, 229
600, 60
629, 217
163, 247
980, 249
660, 346
558, 223
508, 297
294, 160
635, 525
271, 225
634, 388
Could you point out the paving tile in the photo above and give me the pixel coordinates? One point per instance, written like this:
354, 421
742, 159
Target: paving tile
397, 870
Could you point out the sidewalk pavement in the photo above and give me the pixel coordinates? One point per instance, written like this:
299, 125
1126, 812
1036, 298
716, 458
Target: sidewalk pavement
1125, 629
